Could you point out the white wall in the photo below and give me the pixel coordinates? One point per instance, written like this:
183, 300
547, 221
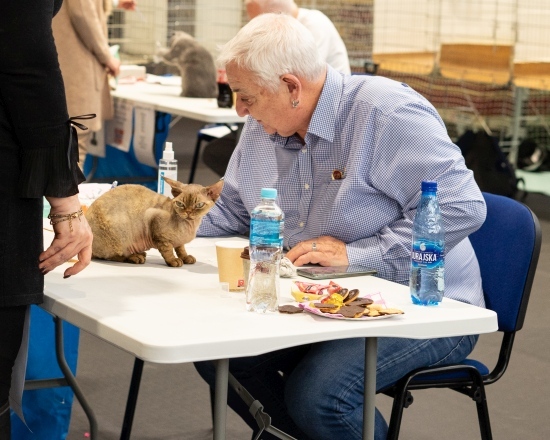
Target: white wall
406, 26
422, 25
217, 21
533, 41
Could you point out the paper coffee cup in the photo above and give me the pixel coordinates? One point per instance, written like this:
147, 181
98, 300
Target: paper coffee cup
230, 266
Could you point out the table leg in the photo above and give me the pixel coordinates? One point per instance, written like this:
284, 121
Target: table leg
220, 402
369, 397
69, 377
132, 400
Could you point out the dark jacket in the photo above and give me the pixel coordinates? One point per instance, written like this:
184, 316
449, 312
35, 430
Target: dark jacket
35, 156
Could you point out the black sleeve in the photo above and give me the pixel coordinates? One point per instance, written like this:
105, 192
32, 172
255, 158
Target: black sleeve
33, 94
51, 171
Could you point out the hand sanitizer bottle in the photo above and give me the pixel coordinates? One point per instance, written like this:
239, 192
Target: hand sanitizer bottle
168, 167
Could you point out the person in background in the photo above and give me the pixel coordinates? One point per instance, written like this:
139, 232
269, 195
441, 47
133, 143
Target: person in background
80, 32
347, 155
329, 43
37, 159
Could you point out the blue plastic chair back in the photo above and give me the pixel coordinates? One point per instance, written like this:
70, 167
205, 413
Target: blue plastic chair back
504, 246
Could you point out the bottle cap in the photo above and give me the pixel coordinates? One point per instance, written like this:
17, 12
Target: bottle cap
168, 152
268, 193
429, 186
222, 76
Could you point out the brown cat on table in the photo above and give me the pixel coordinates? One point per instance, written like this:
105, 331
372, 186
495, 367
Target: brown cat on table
131, 219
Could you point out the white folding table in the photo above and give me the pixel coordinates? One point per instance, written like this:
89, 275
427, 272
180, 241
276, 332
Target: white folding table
174, 315
166, 98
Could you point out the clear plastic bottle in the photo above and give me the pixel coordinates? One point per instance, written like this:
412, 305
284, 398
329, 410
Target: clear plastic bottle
266, 249
168, 167
427, 281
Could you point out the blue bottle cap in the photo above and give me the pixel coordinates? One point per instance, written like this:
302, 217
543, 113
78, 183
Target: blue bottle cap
268, 193
429, 186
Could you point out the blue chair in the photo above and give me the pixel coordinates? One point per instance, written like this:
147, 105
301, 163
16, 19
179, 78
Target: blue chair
507, 247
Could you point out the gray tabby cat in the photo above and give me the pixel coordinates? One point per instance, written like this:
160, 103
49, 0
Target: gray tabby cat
131, 219
197, 68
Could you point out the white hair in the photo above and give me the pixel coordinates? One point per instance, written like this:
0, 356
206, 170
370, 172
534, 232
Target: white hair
272, 45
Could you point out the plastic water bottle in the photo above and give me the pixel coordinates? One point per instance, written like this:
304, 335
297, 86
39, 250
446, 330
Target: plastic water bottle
266, 249
168, 167
427, 283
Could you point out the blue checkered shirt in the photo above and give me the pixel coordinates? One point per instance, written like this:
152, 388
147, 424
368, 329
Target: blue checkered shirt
384, 138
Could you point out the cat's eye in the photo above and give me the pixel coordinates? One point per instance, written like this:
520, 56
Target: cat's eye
199, 205
180, 204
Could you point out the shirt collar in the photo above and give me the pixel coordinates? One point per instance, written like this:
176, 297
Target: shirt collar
323, 121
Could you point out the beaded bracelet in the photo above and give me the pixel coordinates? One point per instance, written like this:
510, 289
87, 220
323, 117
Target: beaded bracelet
58, 218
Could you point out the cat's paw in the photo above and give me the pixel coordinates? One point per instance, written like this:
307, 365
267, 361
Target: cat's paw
137, 258
176, 262
189, 259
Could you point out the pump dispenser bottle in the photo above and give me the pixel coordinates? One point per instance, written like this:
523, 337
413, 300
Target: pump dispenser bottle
168, 167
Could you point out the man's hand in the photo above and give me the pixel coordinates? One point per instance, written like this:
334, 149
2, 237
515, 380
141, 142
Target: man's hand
326, 251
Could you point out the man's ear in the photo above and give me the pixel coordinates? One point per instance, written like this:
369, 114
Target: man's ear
293, 84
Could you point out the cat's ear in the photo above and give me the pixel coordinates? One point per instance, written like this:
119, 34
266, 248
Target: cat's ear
215, 190
177, 187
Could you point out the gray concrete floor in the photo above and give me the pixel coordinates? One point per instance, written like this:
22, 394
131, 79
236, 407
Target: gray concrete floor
174, 403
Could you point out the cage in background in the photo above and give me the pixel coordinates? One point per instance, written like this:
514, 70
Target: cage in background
354, 21
139, 33
484, 64
214, 22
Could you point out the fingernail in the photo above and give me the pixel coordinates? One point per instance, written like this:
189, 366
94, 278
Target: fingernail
67, 276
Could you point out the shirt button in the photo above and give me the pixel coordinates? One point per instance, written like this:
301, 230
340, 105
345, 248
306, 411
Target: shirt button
304, 150
306, 186
301, 224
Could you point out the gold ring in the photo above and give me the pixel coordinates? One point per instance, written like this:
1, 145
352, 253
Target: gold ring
313, 246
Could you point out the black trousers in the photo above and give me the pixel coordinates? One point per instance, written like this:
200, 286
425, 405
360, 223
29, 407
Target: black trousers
12, 320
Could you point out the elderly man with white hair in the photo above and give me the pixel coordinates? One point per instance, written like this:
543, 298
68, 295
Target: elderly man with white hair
347, 155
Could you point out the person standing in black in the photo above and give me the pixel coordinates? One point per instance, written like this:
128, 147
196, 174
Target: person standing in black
38, 158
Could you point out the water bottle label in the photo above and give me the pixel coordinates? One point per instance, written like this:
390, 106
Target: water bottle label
266, 232
427, 254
